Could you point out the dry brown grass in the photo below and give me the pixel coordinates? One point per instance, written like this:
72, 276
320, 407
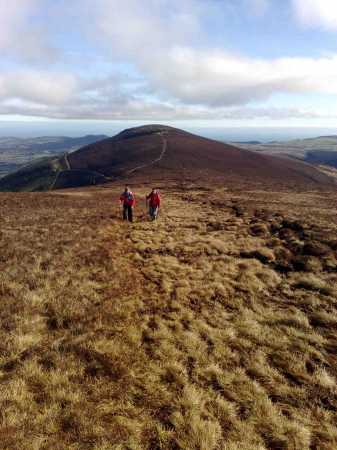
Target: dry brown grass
213, 328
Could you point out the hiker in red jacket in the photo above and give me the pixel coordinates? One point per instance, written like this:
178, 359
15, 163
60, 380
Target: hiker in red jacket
127, 201
154, 203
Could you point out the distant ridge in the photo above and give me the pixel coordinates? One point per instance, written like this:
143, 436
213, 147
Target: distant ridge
247, 142
17, 152
320, 150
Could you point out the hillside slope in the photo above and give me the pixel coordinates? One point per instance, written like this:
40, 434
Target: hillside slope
156, 153
213, 328
186, 155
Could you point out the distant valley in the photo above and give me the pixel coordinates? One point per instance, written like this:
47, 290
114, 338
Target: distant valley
16, 152
320, 150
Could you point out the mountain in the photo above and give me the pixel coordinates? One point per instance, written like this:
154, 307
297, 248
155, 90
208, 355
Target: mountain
15, 152
156, 153
319, 150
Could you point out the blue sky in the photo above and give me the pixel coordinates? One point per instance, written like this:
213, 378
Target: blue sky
221, 63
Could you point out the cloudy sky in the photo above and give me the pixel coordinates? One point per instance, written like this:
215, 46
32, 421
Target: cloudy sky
222, 62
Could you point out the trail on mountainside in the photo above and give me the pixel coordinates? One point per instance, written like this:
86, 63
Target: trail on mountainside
60, 170
163, 151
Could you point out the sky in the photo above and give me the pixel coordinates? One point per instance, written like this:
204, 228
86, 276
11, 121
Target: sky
192, 63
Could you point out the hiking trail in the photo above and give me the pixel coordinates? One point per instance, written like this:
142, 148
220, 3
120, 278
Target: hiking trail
68, 167
142, 166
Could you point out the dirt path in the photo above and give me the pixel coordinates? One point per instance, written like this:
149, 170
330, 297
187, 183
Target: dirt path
142, 166
55, 180
68, 167
66, 160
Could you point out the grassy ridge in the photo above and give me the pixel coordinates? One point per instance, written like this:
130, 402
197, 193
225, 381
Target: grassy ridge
214, 328
36, 176
46, 174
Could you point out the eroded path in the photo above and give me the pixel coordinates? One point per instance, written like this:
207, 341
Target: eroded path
160, 157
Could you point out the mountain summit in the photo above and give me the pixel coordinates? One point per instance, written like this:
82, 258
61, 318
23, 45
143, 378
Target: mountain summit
155, 153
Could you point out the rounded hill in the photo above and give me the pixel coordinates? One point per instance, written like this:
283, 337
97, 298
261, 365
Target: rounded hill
154, 153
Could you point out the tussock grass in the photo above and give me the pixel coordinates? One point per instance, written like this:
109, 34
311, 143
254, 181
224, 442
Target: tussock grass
199, 331
313, 282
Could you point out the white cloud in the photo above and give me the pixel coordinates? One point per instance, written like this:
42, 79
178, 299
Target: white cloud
38, 87
259, 7
317, 13
20, 36
63, 95
13, 15
166, 41
163, 48
142, 109
149, 27
219, 79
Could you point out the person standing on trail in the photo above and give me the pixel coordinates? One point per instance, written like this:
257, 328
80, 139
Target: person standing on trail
154, 203
127, 202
